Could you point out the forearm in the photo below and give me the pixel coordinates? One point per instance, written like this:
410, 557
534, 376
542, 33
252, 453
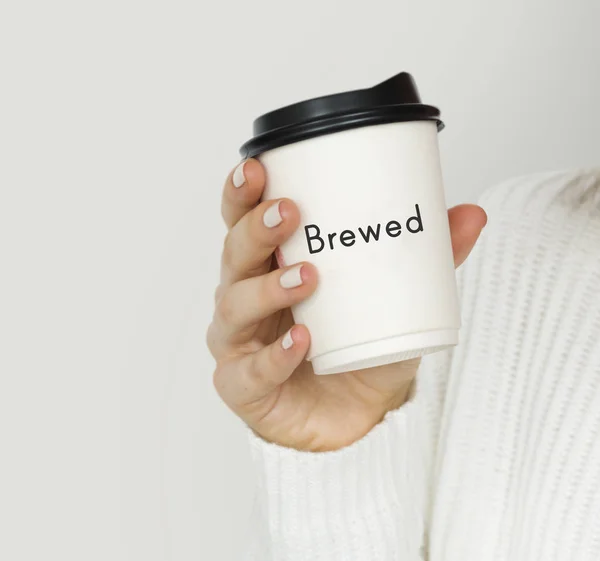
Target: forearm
364, 502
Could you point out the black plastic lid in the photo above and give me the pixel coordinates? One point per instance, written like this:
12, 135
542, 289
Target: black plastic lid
397, 99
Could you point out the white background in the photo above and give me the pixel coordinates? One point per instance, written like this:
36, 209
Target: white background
118, 122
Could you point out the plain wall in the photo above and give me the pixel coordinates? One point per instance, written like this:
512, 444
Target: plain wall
119, 121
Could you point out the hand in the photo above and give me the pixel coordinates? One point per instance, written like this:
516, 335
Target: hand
261, 373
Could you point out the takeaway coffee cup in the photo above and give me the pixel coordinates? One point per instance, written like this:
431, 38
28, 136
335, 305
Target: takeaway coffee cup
364, 169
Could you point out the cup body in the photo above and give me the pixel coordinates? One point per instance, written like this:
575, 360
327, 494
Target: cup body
374, 223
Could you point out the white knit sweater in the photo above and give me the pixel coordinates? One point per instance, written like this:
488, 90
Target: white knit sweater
497, 457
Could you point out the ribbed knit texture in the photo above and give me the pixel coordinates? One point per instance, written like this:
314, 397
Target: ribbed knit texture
497, 457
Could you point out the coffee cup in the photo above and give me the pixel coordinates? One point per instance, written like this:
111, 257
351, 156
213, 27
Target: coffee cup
364, 169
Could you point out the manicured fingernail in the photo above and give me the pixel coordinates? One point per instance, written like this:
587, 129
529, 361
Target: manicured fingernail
291, 278
238, 175
272, 217
287, 342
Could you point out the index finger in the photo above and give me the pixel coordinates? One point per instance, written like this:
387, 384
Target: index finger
243, 190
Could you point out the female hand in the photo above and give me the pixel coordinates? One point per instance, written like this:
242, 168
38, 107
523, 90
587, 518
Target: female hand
261, 373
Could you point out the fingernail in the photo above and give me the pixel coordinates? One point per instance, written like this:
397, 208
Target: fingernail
287, 342
238, 175
272, 217
291, 278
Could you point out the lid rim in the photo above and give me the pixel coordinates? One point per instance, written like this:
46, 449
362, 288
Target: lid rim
337, 123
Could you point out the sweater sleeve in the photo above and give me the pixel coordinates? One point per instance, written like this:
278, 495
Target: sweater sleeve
367, 502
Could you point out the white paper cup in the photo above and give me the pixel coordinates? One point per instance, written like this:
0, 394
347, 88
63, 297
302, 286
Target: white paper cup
374, 223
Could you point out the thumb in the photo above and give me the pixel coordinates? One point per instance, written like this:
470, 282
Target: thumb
466, 223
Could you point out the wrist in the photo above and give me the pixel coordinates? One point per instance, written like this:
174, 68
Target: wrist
402, 396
